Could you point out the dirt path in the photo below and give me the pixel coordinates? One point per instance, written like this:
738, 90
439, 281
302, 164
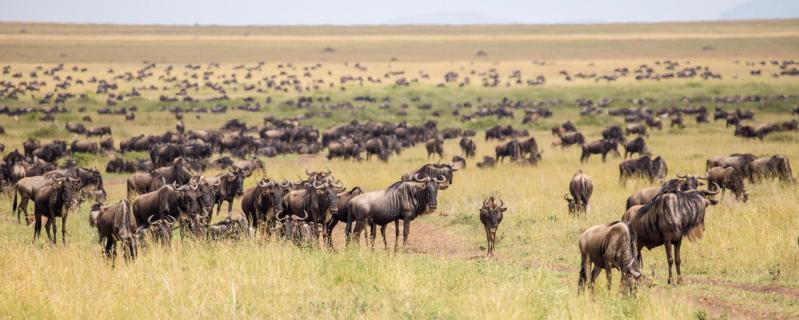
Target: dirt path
432, 239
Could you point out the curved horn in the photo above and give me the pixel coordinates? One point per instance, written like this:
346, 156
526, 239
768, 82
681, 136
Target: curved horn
681, 176
440, 179
501, 204
263, 182
566, 196
710, 193
204, 214
278, 216
305, 217
150, 219
308, 173
416, 177
485, 202
317, 185
703, 177
170, 219
182, 188
285, 183
338, 184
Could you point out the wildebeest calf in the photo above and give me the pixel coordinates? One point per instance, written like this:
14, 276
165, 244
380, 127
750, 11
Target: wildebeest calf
609, 246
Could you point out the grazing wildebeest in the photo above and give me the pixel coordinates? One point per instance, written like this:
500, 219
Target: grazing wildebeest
75, 128
55, 200
635, 128
581, 189
468, 147
491, 215
728, 178
510, 149
668, 218
143, 182
228, 186
249, 166
84, 146
635, 146
602, 146
683, 183
739, 161
643, 167
403, 200
263, 202
571, 138
232, 227
613, 133
98, 131
435, 146
609, 246
488, 162
434, 170
318, 198
776, 166
115, 223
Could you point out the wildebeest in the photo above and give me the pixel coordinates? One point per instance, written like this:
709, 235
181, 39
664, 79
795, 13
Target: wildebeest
263, 202
403, 200
55, 200
75, 128
488, 162
28, 187
643, 167
233, 227
602, 146
98, 131
115, 223
581, 189
739, 161
343, 200
458, 163
468, 147
638, 145
317, 198
227, 186
296, 228
510, 149
683, 183
434, 170
491, 215
609, 246
668, 218
247, 167
84, 146
571, 138
435, 146
613, 133
635, 128
143, 182
179, 202
728, 178
776, 166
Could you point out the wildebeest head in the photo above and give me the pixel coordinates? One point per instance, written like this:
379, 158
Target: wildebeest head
493, 212
274, 192
572, 203
70, 188
328, 189
236, 179
191, 210
690, 182
159, 229
430, 186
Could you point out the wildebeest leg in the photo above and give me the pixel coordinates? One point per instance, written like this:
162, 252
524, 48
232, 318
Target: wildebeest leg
359, 225
594, 275
669, 257
63, 228
109, 245
396, 235
48, 227
406, 230
604, 156
37, 227
488, 241
383, 233
229, 206
677, 260
585, 265
329, 235
373, 234
608, 274
218, 208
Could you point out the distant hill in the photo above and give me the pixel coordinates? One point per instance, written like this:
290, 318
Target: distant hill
763, 9
453, 18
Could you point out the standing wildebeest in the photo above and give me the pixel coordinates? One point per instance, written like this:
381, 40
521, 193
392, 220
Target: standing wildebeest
739, 161
683, 183
643, 167
529, 146
433, 170
115, 222
143, 182
468, 147
29, 146
491, 216
98, 131
776, 166
728, 178
571, 138
264, 202
343, 201
635, 146
609, 246
435, 146
318, 199
55, 200
403, 200
510, 149
581, 189
247, 167
636, 128
228, 186
613, 133
180, 203
28, 187
602, 146
84, 146
668, 218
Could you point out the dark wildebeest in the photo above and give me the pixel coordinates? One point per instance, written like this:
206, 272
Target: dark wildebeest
84, 146
435, 146
529, 146
739, 161
609, 246
55, 200
581, 189
458, 162
636, 128
318, 198
571, 138
228, 186
668, 218
343, 201
249, 166
181, 203
115, 223
510, 149
683, 183
635, 146
468, 147
98, 131
613, 133
491, 216
776, 166
232, 227
143, 182
29, 146
403, 200
434, 170
263, 202
28, 187
75, 128
296, 229
602, 146
728, 178
375, 146
643, 167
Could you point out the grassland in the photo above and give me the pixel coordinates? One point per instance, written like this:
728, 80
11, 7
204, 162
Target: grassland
744, 267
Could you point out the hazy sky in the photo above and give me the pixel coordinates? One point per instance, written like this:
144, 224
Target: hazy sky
245, 12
